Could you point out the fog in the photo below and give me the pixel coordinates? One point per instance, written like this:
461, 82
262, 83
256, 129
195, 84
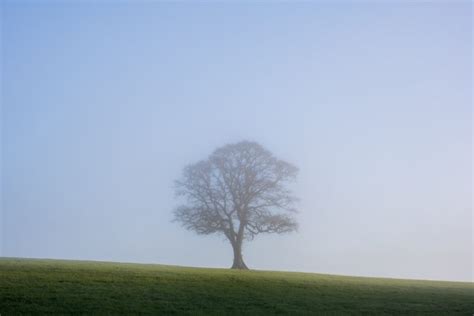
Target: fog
104, 104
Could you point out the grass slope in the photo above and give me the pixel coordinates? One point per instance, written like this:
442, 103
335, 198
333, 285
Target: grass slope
80, 287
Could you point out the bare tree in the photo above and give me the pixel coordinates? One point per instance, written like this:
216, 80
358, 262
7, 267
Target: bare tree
239, 191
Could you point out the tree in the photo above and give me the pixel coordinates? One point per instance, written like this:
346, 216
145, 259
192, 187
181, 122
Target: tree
239, 191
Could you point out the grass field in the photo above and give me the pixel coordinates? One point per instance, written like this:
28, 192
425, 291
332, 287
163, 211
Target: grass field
81, 287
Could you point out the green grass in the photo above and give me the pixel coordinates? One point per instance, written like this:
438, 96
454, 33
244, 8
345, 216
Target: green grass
81, 287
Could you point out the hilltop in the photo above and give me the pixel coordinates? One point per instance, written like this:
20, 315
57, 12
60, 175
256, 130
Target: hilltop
83, 287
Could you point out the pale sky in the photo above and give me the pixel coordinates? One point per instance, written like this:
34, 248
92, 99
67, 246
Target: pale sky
103, 104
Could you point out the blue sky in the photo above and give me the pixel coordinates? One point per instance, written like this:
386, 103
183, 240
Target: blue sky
103, 105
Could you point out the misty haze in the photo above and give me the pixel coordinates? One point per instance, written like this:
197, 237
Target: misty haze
329, 139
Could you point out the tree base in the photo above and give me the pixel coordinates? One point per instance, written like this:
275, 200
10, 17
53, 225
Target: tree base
239, 266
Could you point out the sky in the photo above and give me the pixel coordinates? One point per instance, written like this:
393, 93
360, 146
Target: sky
103, 104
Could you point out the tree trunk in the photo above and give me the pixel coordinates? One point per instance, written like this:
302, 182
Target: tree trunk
238, 260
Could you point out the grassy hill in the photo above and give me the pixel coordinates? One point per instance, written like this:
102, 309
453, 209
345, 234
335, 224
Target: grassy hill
80, 287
